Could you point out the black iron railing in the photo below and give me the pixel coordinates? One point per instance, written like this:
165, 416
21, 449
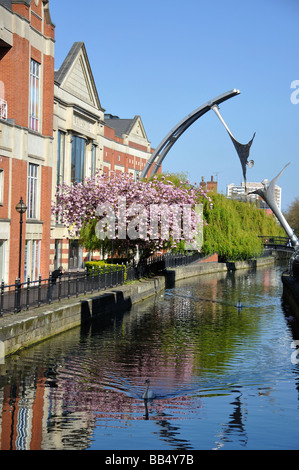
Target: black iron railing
22, 296
275, 241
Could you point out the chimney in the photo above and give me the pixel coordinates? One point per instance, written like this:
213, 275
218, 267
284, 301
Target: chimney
203, 184
212, 185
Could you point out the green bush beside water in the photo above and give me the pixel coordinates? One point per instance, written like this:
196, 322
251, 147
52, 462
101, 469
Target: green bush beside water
104, 266
234, 227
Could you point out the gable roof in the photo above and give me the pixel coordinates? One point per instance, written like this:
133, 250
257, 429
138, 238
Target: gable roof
77, 59
123, 126
6, 3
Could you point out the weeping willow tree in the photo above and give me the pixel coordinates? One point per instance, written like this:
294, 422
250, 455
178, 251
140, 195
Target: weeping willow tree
233, 228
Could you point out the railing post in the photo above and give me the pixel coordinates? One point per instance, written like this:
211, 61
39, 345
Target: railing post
77, 283
117, 274
16, 295
28, 293
59, 289
50, 288
2, 299
69, 286
39, 290
122, 273
85, 279
92, 278
99, 278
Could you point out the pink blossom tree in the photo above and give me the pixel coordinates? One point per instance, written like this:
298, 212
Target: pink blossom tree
151, 215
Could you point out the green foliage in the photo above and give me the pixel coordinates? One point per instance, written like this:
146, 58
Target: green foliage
233, 228
89, 239
178, 179
104, 266
292, 216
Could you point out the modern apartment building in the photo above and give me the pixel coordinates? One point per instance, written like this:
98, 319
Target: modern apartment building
239, 192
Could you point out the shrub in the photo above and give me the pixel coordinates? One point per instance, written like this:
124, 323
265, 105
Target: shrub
96, 266
234, 228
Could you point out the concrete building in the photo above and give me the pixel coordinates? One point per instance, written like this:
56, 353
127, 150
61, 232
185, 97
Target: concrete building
78, 129
27, 37
85, 140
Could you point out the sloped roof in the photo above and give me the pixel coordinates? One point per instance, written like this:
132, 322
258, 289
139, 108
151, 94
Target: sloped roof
6, 3
61, 74
121, 126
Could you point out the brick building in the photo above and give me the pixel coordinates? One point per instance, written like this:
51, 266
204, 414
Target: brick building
52, 129
26, 135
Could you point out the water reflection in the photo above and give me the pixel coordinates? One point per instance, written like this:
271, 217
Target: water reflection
208, 362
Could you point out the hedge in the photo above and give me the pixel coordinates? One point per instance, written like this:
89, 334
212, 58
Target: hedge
95, 266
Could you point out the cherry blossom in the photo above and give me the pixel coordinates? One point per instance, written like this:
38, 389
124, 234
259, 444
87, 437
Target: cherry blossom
151, 213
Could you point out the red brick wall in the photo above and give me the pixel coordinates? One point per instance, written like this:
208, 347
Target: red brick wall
14, 73
18, 189
48, 95
21, 9
45, 211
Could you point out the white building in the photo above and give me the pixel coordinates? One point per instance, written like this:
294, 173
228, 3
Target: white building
238, 192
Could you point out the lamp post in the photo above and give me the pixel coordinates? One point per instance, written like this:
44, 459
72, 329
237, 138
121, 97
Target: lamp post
21, 209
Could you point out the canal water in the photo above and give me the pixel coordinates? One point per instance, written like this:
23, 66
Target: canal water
224, 378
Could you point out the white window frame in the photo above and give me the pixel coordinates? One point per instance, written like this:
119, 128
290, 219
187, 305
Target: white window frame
1, 186
2, 264
32, 191
32, 260
34, 102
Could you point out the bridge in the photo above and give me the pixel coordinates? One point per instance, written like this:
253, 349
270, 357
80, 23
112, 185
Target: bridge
277, 243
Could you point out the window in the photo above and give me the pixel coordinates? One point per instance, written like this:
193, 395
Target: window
93, 159
2, 260
78, 159
32, 260
32, 191
1, 185
34, 95
60, 158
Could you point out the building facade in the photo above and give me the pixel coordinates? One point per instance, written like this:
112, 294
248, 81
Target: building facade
85, 140
27, 37
53, 129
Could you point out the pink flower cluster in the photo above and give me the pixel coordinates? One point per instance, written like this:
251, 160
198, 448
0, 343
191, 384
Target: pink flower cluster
78, 203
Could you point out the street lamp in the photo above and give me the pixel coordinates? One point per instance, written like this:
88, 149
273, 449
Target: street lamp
21, 209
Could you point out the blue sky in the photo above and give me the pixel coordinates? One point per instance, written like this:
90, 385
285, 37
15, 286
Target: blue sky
161, 59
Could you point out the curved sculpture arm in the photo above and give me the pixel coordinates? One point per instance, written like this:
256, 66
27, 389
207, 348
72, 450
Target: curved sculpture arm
166, 144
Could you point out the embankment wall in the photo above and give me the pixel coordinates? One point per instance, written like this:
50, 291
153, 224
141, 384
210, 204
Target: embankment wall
27, 328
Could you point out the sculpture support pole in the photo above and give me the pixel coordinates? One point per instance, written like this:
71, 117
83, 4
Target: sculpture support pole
268, 194
215, 108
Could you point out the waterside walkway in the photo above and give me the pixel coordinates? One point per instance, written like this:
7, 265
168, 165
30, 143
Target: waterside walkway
26, 328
